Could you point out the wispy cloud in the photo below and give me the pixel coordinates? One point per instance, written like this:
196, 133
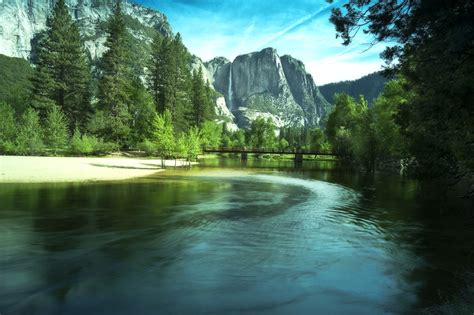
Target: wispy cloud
298, 23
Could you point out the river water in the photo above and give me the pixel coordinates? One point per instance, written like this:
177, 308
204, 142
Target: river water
265, 238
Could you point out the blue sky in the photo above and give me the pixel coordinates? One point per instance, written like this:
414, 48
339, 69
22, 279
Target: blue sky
300, 28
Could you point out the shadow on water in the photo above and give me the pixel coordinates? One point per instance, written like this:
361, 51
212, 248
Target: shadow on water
263, 237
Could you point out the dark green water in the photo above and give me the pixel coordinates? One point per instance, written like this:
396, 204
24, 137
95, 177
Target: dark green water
267, 238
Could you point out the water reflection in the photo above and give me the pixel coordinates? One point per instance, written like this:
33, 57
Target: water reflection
214, 240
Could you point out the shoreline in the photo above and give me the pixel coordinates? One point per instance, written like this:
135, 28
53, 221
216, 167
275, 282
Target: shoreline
40, 169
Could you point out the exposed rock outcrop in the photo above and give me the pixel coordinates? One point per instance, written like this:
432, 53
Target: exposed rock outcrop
22, 20
261, 84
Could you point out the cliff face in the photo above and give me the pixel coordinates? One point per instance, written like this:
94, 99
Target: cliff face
22, 20
263, 84
259, 84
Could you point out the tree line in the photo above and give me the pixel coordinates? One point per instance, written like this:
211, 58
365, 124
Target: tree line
432, 53
75, 107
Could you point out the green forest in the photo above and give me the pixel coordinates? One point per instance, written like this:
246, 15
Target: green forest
424, 117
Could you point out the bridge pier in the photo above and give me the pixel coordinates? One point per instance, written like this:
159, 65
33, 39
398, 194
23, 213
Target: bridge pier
298, 158
243, 156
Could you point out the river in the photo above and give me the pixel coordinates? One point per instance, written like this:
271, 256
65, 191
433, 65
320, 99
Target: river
264, 238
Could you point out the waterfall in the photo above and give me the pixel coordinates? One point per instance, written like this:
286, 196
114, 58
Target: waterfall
229, 91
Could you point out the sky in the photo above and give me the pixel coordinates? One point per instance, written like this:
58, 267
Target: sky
299, 28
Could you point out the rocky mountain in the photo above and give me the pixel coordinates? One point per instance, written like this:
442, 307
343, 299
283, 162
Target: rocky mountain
263, 84
22, 20
370, 86
253, 85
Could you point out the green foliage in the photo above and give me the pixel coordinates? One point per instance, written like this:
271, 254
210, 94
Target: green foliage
283, 144
83, 144
147, 146
202, 99
163, 134
210, 134
7, 123
433, 51
29, 137
238, 139
143, 113
262, 133
15, 82
342, 141
7, 128
387, 110
169, 80
370, 86
316, 139
368, 134
116, 80
365, 144
343, 114
56, 129
193, 143
181, 146
62, 74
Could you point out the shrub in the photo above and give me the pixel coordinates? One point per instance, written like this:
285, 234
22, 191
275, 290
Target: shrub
148, 147
82, 144
28, 140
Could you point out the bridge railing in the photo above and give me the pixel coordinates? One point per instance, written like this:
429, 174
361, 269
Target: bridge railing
265, 151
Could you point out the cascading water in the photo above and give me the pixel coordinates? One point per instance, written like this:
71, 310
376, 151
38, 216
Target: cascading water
229, 91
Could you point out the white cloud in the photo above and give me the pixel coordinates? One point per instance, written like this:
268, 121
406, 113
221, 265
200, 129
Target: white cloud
334, 71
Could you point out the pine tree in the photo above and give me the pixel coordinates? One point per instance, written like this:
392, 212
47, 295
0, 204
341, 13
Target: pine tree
115, 79
142, 111
62, 75
199, 98
181, 109
156, 70
202, 99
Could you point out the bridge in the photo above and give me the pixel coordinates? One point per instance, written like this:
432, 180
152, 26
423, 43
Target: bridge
298, 153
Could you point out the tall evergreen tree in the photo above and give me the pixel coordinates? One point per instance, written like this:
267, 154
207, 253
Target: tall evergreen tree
156, 70
169, 80
200, 99
62, 70
116, 79
181, 109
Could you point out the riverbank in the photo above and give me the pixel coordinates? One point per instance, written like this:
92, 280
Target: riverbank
35, 169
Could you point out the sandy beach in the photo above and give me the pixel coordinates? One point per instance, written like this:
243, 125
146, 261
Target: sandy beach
33, 169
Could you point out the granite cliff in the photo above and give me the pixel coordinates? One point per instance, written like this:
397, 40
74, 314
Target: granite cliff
265, 84
22, 20
259, 84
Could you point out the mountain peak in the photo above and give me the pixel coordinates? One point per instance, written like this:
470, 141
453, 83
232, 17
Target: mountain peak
261, 84
22, 20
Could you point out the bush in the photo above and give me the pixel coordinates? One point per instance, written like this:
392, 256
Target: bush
82, 144
148, 147
29, 137
7, 147
102, 147
87, 145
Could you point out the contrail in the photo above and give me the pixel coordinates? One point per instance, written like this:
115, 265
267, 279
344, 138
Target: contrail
297, 24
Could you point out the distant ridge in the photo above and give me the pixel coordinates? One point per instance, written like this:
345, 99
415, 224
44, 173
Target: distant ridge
370, 86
